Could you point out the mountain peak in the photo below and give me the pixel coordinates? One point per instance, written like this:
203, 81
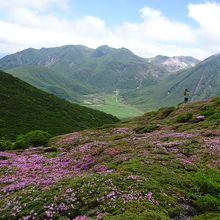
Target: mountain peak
175, 63
102, 50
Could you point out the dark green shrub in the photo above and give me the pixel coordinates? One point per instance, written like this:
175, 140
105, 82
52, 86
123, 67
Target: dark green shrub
107, 126
164, 112
20, 142
217, 100
150, 115
50, 149
207, 203
215, 116
208, 182
32, 138
3, 158
5, 144
208, 215
208, 111
146, 129
184, 118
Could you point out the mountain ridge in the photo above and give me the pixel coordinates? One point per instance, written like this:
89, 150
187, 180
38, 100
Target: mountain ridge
175, 63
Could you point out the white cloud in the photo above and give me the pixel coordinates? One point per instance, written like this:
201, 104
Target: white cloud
34, 4
33, 24
150, 12
157, 34
208, 16
157, 28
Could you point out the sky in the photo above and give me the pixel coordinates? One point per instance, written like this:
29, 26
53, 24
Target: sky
146, 27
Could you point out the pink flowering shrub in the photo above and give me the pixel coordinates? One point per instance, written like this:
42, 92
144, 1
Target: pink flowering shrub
200, 117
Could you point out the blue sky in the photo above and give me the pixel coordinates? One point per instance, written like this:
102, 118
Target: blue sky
146, 27
118, 11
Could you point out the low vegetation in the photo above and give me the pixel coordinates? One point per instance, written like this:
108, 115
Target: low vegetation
33, 138
151, 167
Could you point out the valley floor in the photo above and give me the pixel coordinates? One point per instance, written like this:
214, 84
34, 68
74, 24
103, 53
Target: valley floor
111, 104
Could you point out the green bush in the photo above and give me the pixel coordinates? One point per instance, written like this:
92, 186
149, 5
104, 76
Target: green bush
208, 215
165, 112
208, 194
150, 115
5, 144
146, 129
184, 118
207, 203
208, 111
33, 138
215, 116
208, 182
217, 100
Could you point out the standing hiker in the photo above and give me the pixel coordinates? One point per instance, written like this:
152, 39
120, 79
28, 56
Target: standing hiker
186, 95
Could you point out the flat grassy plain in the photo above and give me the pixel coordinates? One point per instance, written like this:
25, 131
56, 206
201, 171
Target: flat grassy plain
111, 104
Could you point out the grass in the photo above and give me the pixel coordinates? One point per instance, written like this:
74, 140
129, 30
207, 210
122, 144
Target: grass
110, 104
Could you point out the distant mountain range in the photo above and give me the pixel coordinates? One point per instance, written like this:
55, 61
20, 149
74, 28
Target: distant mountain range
174, 64
24, 108
74, 72
202, 80
103, 68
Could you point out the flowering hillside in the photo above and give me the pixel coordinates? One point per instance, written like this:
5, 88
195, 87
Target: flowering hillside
163, 165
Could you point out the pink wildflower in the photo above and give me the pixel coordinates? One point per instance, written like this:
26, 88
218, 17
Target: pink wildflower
200, 117
132, 177
69, 190
81, 218
112, 194
62, 207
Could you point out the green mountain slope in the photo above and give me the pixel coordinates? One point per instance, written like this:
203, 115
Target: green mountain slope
203, 81
24, 108
119, 69
48, 57
53, 82
73, 71
105, 68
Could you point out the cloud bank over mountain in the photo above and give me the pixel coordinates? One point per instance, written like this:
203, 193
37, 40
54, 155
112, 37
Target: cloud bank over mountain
45, 23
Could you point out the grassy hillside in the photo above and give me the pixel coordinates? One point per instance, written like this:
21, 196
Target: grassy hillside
163, 165
24, 108
74, 91
53, 82
203, 80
